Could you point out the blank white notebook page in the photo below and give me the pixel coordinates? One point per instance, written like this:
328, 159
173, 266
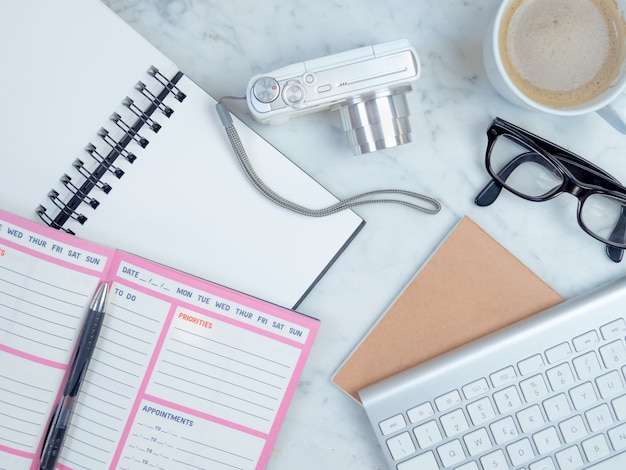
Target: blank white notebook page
184, 201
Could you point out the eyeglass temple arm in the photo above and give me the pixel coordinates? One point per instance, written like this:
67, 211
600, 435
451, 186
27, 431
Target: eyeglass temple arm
491, 191
488, 194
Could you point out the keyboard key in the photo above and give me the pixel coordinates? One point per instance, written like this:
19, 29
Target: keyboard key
583, 396
447, 401
478, 387
619, 406
596, 448
613, 329
586, 341
587, 365
477, 442
530, 419
520, 452
617, 435
531, 365
610, 384
507, 400
547, 440
534, 388
599, 417
504, 430
424, 461
451, 453
557, 407
613, 354
428, 434
391, 425
481, 411
420, 412
401, 446
560, 377
543, 464
503, 376
494, 461
569, 459
454, 423
558, 353
573, 429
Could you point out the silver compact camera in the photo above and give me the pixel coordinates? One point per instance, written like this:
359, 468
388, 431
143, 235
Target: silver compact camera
368, 87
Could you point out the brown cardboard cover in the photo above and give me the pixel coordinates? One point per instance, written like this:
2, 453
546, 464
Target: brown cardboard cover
471, 286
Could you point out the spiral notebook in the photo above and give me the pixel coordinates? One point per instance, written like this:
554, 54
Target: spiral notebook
185, 373
103, 136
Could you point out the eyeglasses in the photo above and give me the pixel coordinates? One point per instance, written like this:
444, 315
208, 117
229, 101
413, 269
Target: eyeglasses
538, 170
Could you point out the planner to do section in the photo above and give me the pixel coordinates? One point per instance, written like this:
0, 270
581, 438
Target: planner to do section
106, 138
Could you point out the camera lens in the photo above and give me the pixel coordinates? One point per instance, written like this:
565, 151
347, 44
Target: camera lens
376, 121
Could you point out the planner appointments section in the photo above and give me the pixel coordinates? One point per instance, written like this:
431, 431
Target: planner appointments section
231, 374
163, 437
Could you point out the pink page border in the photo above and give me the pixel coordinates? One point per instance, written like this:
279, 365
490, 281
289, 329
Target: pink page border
310, 323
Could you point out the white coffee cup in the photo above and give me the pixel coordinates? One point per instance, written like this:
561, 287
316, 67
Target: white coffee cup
610, 103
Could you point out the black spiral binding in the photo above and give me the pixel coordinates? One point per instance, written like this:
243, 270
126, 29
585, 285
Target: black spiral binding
79, 189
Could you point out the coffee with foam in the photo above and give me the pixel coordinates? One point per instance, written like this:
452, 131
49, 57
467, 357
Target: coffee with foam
562, 53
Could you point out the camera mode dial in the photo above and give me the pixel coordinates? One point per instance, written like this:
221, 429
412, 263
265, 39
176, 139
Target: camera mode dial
266, 89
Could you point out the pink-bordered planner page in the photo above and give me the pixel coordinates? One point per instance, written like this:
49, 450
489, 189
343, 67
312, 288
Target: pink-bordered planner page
186, 373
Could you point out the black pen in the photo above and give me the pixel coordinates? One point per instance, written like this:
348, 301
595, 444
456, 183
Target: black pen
63, 413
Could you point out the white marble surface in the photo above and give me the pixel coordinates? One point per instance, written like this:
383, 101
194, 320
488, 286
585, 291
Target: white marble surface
221, 43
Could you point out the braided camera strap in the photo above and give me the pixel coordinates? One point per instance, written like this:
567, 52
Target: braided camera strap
369, 197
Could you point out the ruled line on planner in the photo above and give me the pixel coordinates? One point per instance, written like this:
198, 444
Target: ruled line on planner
182, 379
45, 308
224, 356
222, 368
71, 291
204, 445
234, 348
226, 382
25, 405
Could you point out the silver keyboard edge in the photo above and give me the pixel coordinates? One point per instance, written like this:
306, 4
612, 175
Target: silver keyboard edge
435, 373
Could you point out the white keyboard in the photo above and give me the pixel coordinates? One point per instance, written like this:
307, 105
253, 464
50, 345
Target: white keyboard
546, 393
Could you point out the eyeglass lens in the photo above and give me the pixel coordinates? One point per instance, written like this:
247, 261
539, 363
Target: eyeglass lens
601, 214
523, 170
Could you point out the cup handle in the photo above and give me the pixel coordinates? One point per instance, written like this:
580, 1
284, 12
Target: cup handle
615, 113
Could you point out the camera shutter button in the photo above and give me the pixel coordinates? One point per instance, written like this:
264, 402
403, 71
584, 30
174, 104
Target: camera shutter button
266, 89
293, 94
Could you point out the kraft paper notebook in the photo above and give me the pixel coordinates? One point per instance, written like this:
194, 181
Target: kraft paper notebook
116, 144
185, 373
469, 287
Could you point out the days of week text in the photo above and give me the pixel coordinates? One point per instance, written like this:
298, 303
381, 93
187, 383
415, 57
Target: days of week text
59, 249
